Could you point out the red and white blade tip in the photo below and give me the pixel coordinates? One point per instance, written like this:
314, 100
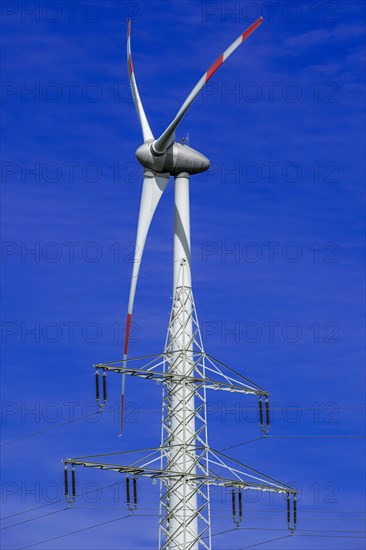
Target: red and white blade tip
219, 61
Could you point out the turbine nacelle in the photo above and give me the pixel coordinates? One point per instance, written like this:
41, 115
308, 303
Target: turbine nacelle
177, 158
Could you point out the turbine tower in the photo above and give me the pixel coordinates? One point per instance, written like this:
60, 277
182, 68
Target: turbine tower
184, 462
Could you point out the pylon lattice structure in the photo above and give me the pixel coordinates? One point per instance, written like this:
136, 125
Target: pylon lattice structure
184, 462
185, 501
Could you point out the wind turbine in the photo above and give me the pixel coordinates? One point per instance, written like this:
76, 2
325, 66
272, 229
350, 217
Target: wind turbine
161, 158
184, 463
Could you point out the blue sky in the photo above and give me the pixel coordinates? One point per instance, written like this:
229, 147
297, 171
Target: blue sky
277, 246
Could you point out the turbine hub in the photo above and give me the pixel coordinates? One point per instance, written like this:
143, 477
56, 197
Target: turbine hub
177, 158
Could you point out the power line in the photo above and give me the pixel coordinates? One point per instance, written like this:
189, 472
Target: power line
33, 519
280, 436
353, 531
227, 515
333, 536
98, 412
52, 503
336, 436
243, 443
224, 532
264, 542
75, 532
55, 427
31, 509
345, 512
225, 449
301, 532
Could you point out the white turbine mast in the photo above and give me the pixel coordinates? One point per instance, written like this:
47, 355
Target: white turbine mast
184, 463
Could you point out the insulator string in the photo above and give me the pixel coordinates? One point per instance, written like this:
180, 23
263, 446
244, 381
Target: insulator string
260, 411
267, 414
97, 396
73, 482
66, 483
104, 377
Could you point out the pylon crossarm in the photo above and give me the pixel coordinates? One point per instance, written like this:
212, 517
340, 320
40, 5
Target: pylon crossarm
160, 376
198, 360
171, 476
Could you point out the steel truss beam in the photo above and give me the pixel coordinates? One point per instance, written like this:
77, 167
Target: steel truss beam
157, 473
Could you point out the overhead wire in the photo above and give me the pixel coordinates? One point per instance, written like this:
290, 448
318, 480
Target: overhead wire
316, 436
75, 532
264, 542
74, 420
301, 532
39, 432
226, 515
243, 443
31, 509
270, 511
358, 533
33, 519
82, 494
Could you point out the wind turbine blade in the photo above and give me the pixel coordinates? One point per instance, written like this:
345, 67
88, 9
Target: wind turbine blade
152, 190
161, 144
146, 130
